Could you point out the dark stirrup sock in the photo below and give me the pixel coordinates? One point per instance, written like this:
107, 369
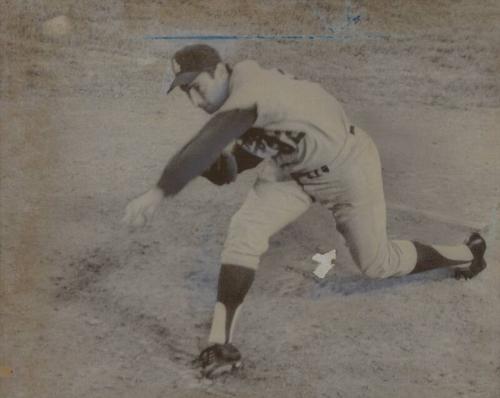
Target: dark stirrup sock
234, 283
434, 256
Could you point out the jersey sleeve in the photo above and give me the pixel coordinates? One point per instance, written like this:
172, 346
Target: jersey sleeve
204, 149
242, 96
251, 87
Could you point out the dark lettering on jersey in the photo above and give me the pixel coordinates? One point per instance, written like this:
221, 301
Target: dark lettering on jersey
261, 139
295, 136
285, 149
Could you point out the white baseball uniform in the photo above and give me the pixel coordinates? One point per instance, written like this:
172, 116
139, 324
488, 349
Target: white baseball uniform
313, 153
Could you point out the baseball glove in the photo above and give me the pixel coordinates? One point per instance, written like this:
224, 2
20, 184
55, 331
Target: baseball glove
223, 171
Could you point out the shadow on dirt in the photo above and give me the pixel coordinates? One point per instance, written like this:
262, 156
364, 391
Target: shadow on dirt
355, 284
84, 286
85, 272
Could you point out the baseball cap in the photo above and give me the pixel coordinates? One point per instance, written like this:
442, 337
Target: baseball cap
192, 60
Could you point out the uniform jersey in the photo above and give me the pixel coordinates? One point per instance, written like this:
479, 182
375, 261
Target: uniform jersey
299, 125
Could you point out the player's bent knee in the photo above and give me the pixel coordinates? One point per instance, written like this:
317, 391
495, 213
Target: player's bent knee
231, 256
399, 259
243, 252
246, 242
375, 270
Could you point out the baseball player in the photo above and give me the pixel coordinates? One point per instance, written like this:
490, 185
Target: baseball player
309, 151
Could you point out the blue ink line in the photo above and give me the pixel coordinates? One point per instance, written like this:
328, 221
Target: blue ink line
349, 20
244, 37
258, 37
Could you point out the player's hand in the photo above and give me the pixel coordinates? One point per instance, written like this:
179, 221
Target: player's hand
140, 211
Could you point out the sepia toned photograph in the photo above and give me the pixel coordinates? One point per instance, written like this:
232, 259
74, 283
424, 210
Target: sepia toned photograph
249, 199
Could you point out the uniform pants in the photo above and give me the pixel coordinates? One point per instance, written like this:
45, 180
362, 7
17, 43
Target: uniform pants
352, 189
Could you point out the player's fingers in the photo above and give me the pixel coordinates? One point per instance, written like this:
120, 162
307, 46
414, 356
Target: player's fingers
149, 212
138, 221
127, 217
129, 213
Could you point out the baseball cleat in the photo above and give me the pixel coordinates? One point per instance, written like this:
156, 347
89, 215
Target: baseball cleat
477, 246
218, 359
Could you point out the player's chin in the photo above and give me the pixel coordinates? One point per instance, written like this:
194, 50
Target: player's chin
209, 108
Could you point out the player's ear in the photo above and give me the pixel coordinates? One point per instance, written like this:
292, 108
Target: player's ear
221, 72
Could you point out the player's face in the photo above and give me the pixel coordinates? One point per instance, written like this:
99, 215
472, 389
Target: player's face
209, 92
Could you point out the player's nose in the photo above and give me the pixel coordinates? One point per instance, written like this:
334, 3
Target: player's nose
195, 97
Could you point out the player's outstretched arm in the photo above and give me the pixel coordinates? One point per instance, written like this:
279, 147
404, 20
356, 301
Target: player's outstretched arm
192, 160
141, 210
203, 150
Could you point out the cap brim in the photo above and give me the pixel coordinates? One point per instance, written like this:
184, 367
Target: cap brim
182, 79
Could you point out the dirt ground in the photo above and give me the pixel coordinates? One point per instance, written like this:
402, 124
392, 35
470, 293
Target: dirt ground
91, 309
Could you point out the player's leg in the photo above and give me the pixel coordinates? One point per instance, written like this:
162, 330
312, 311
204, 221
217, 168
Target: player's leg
268, 208
221, 356
435, 256
364, 230
361, 218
